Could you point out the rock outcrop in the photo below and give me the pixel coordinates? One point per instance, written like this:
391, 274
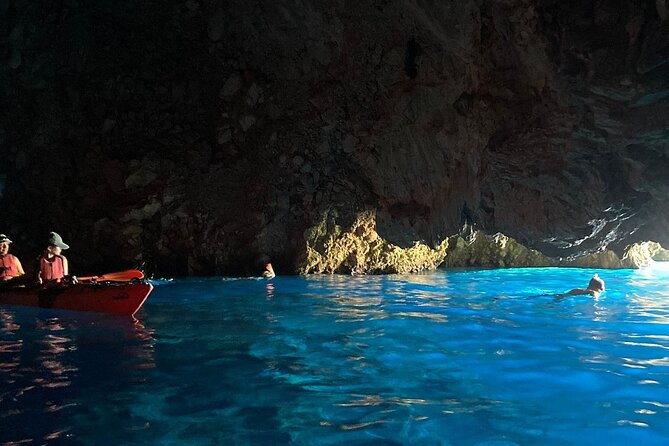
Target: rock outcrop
201, 137
356, 248
636, 255
658, 253
492, 251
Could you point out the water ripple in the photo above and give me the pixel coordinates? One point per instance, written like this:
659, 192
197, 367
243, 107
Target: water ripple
465, 357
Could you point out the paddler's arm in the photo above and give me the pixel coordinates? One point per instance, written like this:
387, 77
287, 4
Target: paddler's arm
19, 267
66, 267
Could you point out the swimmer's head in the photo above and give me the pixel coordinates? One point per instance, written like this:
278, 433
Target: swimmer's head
596, 284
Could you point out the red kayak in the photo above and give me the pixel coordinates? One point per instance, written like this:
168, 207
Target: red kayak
122, 298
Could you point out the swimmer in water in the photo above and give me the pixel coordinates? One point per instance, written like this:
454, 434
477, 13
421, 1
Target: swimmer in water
269, 272
595, 287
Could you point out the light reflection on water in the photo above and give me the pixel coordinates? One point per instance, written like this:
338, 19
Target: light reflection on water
48, 358
461, 357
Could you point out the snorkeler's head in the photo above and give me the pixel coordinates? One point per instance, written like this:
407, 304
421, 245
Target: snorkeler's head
596, 283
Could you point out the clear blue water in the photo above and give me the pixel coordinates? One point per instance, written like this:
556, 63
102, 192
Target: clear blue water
443, 358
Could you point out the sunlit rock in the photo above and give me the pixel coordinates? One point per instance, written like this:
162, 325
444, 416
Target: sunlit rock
604, 259
657, 252
498, 250
635, 256
639, 255
358, 249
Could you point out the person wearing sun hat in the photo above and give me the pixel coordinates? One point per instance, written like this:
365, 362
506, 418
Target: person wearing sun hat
10, 266
52, 266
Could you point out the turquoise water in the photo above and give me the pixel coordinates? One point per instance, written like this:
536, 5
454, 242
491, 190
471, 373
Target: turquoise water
480, 357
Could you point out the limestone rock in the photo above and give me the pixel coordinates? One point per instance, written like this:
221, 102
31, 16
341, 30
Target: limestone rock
498, 250
604, 259
358, 249
635, 256
658, 253
639, 255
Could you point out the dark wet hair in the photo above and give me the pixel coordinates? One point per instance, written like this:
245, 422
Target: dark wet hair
596, 284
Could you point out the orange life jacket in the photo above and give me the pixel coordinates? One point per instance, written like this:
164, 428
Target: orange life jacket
8, 266
53, 269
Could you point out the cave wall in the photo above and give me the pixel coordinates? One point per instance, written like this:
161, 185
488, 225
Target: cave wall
203, 137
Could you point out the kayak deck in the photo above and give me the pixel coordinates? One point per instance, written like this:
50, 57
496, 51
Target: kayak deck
120, 298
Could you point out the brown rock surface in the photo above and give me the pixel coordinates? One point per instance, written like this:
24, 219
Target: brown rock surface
358, 249
661, 255
498, 251
202, 137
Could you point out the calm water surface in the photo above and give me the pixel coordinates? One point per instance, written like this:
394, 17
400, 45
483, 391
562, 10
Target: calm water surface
485, 358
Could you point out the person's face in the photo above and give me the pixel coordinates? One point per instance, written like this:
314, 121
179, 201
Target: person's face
55, 250
4, 248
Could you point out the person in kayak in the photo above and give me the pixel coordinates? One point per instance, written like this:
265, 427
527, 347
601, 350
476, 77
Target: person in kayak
595, 287
10, 266
51, 265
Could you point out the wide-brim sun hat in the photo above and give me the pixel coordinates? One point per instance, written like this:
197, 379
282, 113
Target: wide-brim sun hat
4, 239
57, 240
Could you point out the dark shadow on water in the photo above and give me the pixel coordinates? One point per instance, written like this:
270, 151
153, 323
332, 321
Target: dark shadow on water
50, 361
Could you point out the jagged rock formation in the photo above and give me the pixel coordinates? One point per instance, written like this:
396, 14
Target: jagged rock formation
358, 249
205, 136
659, 254
634, 256
498, 250
641, 254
